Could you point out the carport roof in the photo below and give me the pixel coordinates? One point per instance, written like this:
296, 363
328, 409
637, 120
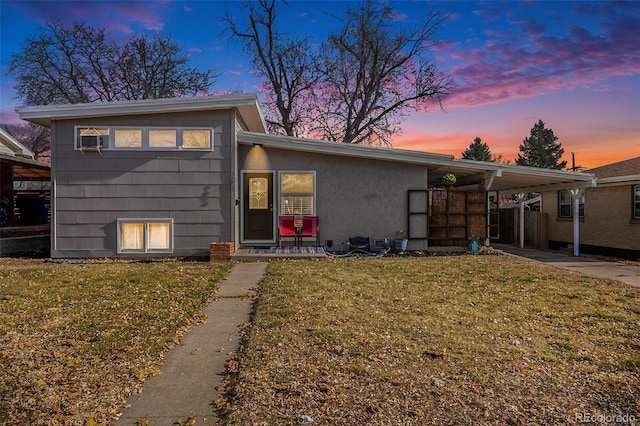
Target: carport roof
25, 169
506, 178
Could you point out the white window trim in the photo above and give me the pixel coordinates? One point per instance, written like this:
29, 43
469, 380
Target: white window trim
110, 140
280, 193
571, 204
145, 222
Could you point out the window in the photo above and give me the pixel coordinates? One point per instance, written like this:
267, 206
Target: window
127, 138
163, 138
145, 235
297, 193
565, 205
144, 138
196, 138
258, 193
636, 201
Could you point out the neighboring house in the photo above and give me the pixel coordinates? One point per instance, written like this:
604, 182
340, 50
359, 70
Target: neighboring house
609, 214
167, 177
9, 146
17, 165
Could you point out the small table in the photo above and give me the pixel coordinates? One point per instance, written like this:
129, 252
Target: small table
297, 223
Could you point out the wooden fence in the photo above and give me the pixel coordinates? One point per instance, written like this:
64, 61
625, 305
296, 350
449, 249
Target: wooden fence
536, 228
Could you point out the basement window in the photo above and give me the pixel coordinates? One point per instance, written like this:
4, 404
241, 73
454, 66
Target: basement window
145, 235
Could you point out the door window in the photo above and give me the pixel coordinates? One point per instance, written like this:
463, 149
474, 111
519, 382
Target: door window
258, 193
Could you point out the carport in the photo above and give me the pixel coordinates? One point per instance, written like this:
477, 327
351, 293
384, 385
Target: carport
25, 194
519, 181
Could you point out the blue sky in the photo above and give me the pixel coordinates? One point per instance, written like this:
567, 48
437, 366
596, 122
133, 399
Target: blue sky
575, 65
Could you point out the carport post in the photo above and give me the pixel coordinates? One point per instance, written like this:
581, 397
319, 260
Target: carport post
521, 204
576, 193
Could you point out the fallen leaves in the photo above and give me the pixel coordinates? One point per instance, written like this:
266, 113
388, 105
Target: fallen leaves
76, 341
418, 341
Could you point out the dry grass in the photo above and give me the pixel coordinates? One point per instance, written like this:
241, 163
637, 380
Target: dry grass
77, 340
464, 340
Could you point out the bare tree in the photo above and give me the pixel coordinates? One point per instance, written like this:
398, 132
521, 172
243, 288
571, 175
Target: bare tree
150, 68
282, 61
374, 73
82, 64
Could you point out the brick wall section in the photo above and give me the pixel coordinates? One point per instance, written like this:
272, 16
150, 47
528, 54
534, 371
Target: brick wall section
607, 218
221, 251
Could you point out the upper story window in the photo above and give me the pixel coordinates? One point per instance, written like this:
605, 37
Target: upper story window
636, 201
143, 138
565, 205
297, 193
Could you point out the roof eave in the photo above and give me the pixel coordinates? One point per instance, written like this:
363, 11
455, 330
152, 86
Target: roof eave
342, 149
247, 105
618, 180
16, 147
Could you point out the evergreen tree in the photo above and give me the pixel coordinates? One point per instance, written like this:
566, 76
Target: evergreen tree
478, 151
541, 150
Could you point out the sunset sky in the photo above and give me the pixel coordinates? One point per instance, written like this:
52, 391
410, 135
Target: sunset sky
574, 65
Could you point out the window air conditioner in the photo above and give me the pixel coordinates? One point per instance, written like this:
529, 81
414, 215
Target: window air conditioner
91, 142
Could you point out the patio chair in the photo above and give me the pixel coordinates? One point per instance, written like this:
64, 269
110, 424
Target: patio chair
310, 229
286, 229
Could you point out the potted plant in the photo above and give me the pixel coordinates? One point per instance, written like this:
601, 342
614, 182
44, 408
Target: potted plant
474, 244
401, 241
448, 179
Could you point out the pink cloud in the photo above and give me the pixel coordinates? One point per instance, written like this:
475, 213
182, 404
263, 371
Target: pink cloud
9, 117
525, 61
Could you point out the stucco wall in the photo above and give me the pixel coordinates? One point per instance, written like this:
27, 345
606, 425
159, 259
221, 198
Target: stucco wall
92, 190
607, 219
354, 196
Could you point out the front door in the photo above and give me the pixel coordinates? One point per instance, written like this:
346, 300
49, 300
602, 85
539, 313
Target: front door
258, 206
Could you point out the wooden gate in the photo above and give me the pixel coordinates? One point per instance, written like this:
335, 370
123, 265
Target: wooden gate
457, 216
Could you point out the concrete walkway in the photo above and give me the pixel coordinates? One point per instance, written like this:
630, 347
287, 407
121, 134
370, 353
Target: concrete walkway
626, 271
191, 371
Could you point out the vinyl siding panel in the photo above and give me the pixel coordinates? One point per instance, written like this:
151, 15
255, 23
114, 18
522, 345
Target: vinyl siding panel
94, 190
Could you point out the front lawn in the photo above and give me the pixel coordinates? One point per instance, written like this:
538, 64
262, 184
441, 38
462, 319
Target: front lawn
77, 340
459, 340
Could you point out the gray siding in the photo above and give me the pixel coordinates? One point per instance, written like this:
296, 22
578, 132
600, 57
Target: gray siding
93, 190
354, 196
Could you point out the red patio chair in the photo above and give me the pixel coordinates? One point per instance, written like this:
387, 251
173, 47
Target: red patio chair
286, 229
310, 229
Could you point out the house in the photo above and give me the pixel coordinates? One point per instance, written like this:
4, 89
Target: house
168, 177
9, 146
609, 214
